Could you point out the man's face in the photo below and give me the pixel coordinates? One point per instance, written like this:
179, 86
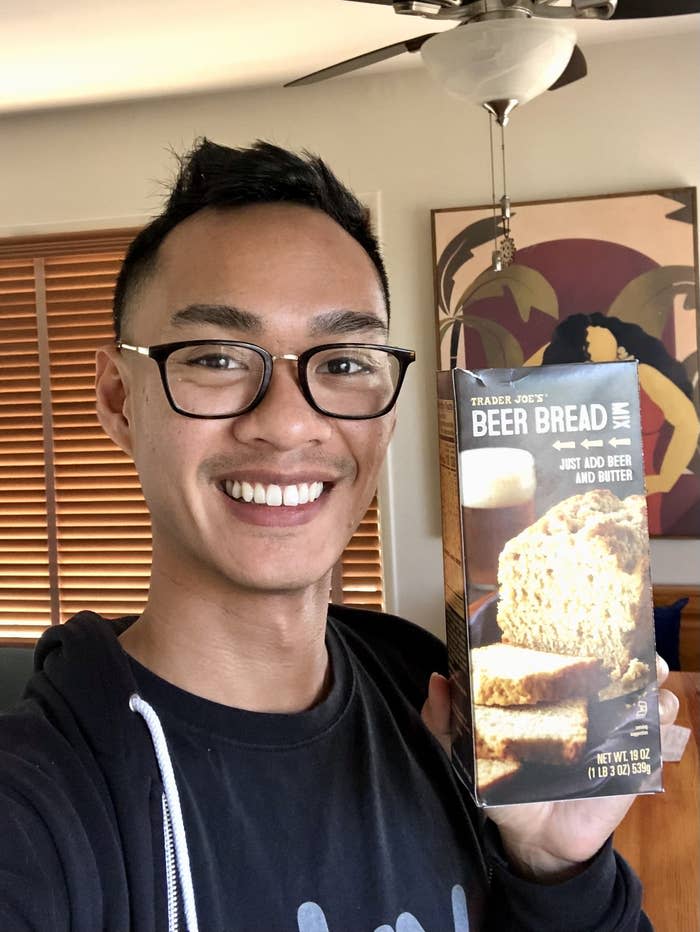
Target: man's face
300, 280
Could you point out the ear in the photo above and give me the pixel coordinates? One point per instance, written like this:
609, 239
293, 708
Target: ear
112, 391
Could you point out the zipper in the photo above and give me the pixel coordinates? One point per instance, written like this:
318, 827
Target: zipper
170, 870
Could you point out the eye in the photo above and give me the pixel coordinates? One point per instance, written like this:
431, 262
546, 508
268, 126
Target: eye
344, 365
216, 361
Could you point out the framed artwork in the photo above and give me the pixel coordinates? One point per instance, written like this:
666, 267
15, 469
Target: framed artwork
593, 278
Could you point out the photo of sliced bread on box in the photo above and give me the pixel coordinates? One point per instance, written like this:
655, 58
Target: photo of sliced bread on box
492, 773
547, 733
505, 675
576, 582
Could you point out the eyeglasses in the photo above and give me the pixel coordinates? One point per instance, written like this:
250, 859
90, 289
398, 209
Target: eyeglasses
225, 378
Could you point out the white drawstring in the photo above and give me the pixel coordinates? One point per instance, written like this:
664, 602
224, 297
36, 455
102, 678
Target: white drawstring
172, 797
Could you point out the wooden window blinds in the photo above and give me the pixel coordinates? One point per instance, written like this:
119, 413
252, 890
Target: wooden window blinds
74, 528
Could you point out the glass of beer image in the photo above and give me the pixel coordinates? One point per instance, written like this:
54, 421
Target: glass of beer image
498, 502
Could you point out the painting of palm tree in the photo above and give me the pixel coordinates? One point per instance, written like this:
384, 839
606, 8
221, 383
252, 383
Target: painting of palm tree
593, 279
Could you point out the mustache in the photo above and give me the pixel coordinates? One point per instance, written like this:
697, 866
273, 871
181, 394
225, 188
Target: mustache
221, 464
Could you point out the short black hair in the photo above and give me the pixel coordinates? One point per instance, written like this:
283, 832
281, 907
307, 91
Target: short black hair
213, 175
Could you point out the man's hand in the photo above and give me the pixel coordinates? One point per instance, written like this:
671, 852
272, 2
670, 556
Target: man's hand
548, 842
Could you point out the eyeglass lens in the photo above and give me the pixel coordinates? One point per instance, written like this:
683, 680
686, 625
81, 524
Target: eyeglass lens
213, 379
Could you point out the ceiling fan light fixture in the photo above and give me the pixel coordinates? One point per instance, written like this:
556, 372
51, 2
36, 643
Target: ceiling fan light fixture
500, 59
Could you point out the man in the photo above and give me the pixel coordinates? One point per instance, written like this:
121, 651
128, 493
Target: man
239, 757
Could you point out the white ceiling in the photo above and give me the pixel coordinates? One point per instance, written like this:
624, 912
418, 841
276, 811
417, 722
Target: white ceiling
86, 51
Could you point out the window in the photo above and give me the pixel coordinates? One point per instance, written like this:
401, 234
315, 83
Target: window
74, 528
358, 577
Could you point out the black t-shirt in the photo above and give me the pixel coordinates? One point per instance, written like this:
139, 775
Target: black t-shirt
342, 818
346, 817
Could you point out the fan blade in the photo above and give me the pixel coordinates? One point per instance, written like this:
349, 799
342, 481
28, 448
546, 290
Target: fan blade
574, 71
633, 9
361, 61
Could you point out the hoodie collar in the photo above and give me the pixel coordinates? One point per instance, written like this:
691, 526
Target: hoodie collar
82, 674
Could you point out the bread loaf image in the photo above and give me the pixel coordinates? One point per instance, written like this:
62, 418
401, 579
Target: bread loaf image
505, 675
547, 733
491, 773
576, 582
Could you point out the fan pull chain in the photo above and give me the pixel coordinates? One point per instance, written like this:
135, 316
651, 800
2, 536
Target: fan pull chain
503, 252
496, 254
507, 243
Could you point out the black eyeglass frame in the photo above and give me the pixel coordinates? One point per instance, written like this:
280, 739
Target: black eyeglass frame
160, 353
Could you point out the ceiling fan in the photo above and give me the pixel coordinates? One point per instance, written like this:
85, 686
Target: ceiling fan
502, 52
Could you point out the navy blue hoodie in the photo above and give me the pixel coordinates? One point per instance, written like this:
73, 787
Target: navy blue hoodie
121, 795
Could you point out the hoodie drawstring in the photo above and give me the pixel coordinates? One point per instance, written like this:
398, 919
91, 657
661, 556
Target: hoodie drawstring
171, 806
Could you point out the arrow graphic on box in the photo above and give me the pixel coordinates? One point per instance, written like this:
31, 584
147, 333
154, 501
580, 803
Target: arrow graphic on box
564, 444
591, 443
620, 442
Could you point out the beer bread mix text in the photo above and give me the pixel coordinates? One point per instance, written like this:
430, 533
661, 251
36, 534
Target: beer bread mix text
547, 588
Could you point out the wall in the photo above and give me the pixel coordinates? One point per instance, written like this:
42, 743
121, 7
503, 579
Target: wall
633, 124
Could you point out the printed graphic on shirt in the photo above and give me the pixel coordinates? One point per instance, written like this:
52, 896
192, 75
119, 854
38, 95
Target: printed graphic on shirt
311, 918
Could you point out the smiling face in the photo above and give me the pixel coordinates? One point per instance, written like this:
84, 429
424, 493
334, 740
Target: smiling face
287, 278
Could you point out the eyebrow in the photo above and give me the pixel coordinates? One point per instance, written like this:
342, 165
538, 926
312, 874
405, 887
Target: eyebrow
221, 315
329, 323
344, 322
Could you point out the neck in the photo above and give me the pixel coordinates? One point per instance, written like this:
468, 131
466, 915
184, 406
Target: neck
260, 651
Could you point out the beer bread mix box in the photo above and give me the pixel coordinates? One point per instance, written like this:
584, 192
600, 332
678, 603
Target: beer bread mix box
548, 596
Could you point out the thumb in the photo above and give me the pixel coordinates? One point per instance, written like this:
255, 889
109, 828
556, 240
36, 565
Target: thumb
436, 711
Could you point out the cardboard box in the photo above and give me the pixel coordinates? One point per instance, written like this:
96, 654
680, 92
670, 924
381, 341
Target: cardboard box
550, 627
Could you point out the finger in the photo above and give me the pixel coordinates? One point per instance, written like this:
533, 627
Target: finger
661, 669
436, 710
668, 706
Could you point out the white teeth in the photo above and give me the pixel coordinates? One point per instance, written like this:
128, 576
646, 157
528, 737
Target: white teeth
290, 496
274, 495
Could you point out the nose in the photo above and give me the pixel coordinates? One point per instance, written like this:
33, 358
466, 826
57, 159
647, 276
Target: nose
284, 418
